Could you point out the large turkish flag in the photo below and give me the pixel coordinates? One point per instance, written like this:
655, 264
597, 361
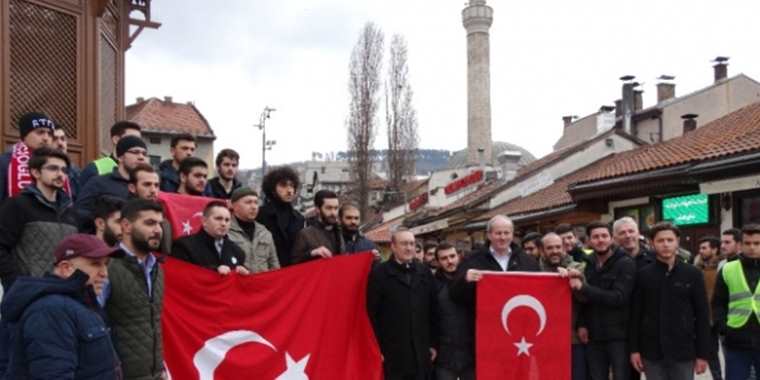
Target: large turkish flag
185, 212
307, 321
523, 326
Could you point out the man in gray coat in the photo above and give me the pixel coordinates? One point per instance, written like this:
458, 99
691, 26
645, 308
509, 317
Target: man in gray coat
252, 237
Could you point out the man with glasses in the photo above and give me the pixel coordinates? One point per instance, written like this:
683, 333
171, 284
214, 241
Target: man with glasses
131, 152
33, 222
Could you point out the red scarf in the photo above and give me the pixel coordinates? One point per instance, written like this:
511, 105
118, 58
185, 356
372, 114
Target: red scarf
19, 176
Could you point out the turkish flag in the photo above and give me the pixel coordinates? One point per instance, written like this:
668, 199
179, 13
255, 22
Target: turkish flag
523, 326
307, 321
185, 212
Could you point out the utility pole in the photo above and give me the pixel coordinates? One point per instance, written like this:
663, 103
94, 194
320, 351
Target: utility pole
265, 144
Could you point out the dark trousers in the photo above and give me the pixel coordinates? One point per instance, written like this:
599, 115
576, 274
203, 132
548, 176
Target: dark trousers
668, 370
580, 367
739, 364
714, 361
605, 356
448, 374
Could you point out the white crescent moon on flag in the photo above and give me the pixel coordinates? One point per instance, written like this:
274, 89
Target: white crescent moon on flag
526, 301
212, 354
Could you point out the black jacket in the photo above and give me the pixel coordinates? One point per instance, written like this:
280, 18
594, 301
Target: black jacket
215, 189
669, 318
606, 297
748, 336
455, 347
169, 177
401, 306
52, 328
112, 185
30, 228
283, 222
200, 249
464, 292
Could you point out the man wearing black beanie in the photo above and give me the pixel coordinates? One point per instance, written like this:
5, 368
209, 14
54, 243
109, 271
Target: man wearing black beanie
35, 130
130, 151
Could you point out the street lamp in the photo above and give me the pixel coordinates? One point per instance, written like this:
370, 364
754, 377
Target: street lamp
265, 144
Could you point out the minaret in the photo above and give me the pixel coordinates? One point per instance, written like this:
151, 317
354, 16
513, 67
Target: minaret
477, 18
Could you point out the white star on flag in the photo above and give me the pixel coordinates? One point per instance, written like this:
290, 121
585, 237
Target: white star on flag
295, 369
523, 347
187, 229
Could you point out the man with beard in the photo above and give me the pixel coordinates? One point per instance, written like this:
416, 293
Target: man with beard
32, 223
182, 147
108, 220
350, 218
193, 176
251, 236
222, 186
105, 165
456, 357
135, 293
211, 246
554, 258
144, 184
60, 141
323, 238
131, 151
605, 295
530, 243
429, 258
36, 131
570, 243
278, 215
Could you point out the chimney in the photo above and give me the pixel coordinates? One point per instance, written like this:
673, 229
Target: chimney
140, 99
482, 159
638, 100
168, 99
619, 108
689, 122
628, 101
720, 68
567, 120
666, 89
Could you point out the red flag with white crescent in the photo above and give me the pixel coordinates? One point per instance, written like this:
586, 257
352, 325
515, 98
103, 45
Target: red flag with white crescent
523, 327
307, 321
185, 212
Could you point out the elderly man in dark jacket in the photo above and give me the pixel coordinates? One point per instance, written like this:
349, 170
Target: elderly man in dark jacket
211, 247
669, 329
323, 237
52, 327
401, 296
278, 215
605, 295
33, 222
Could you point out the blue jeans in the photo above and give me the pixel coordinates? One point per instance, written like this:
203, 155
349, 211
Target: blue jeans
580, 367
603, 356
739, 363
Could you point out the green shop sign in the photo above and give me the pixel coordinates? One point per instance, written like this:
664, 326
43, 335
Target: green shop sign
686, 210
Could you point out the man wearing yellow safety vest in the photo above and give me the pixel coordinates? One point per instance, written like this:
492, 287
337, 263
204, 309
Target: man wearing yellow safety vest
106, 164
736, 307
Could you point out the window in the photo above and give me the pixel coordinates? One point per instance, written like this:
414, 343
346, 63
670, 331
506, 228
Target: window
644, 215
155, 140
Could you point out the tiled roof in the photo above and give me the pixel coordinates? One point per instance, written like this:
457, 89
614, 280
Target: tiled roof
734, 133
382, 233
165, 116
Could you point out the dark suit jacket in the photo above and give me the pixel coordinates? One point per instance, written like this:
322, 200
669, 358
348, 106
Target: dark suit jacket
199, 249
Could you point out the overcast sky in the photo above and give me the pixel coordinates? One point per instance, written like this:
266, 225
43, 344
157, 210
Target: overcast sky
548, 59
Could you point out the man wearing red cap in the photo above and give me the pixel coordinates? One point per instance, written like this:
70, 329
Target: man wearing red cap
51, 327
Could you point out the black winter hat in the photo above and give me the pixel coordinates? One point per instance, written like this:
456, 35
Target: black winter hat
128, 142
32, 121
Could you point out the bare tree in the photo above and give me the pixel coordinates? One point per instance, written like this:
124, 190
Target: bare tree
364, 88
400, 116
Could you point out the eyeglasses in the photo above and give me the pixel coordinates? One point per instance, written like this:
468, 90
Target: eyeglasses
54, 168
138, 152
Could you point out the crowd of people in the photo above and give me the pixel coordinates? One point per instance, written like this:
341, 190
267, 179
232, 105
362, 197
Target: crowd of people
81, 254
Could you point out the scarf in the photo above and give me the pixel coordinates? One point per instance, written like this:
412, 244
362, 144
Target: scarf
19, 176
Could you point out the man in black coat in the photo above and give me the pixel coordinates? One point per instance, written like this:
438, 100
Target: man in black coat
605, 296
501, 255
401, 306
323, 238
278, 215
669, 329
211, 247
